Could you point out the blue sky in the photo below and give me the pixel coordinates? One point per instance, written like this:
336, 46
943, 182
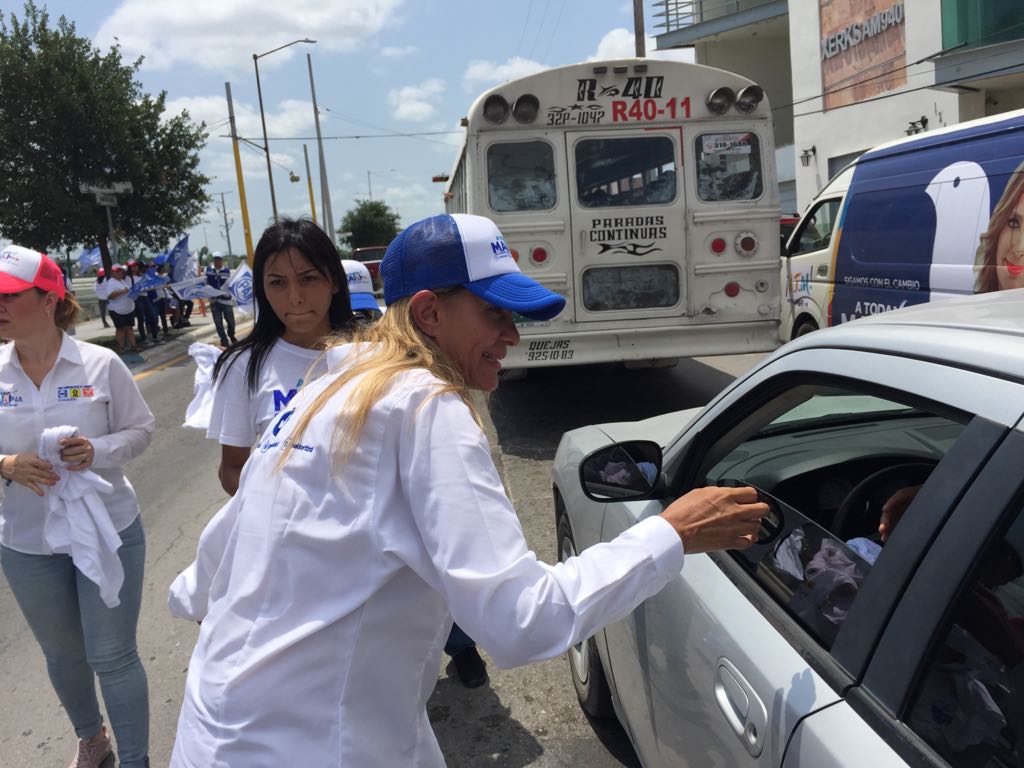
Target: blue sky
380, 66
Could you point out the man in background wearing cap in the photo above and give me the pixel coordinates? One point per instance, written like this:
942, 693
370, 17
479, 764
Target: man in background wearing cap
372, 514
360, 292
222, 309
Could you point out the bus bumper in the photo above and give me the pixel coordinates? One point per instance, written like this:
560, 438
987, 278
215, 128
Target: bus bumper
541, 347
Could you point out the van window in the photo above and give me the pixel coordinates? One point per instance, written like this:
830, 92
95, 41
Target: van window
728, 167
521, 176
816, 228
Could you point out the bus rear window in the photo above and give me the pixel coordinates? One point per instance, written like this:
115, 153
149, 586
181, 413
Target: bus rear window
640, 287
620, 172
521, 177
729, 167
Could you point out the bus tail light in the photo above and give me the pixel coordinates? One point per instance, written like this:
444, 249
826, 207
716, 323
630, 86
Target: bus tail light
515, 255
748, 99
732, 289
720, 99
718, 245
746, 244
526, 108
495, 109
539, 255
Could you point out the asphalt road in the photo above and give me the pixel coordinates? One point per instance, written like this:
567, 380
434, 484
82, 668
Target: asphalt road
523, 717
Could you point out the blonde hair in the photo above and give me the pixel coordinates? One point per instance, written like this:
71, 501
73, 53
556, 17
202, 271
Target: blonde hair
66, 313
985, 257
389, 348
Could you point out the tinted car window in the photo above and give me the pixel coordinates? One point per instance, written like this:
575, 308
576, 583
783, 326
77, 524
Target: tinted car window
970, 704
830, 458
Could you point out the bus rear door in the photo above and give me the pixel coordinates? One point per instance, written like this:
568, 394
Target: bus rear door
629, 242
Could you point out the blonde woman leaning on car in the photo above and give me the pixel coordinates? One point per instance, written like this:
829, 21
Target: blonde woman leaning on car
371, 510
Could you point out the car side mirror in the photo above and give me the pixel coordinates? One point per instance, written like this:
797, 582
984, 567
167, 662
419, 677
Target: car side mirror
626, 471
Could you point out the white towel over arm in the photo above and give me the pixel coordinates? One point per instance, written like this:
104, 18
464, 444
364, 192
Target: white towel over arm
77, 522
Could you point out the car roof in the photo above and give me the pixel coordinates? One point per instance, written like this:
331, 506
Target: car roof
982, 332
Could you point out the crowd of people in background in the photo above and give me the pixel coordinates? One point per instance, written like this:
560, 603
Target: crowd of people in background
147, 319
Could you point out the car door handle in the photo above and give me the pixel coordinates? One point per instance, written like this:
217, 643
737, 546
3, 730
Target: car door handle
742, 707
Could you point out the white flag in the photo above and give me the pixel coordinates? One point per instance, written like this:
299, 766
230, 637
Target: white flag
239, 284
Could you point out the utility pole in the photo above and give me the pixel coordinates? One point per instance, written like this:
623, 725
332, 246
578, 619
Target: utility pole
309, 184
227, 225
325, 189
369, 187
638, 28
238, 173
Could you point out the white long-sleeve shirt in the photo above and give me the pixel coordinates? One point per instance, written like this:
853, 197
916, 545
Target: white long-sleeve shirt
89, 388
331, 587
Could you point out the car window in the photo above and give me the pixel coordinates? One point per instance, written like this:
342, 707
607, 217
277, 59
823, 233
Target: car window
970, 704
728, 167
816, 228
623, 172
521, 176
829, 457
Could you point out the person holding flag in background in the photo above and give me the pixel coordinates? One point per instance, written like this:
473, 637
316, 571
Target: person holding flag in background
222, 308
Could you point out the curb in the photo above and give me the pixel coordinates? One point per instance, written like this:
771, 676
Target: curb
176, 347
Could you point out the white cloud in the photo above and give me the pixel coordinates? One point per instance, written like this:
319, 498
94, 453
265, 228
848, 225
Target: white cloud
224, 34
416, 102
620, 44
393, 52
482, 73
291, 117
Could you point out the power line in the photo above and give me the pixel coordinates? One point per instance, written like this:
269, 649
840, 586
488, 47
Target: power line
839, 88
911, 90
419, 136
529, 10
554, 30
353, 136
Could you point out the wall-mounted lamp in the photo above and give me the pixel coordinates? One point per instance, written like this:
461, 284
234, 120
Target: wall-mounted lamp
806, 155
917, 126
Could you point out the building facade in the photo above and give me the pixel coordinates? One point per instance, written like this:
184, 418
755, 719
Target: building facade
843, 76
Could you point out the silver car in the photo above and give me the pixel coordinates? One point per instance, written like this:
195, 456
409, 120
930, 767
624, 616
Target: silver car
820, 645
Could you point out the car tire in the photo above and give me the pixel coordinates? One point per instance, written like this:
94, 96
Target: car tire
588, 677
804, 327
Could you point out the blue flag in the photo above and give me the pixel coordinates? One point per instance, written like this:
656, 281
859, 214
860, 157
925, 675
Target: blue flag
88, 259
149, 282
178, 260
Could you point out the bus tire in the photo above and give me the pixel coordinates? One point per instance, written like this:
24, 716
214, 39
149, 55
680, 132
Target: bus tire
804, 327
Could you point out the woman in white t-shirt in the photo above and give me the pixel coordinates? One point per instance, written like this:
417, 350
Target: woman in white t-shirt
301, 297
121, 308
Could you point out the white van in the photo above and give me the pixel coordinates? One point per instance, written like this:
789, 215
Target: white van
922, 218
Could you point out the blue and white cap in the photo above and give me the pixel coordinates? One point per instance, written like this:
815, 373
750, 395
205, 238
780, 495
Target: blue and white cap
460, 249
360, 285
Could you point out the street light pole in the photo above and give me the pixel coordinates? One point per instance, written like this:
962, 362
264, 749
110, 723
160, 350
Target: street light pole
325, 187
263, 120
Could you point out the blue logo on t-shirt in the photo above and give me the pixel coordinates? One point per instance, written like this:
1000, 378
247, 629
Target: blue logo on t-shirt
281, 420
282, 399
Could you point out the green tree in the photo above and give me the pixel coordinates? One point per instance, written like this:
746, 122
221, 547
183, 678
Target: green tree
371, 222
71, 115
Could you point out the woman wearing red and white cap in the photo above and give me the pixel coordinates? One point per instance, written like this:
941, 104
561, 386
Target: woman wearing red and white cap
49, 379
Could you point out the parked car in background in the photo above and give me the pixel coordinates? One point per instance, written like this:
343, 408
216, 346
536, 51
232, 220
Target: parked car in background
821, 645
371, 256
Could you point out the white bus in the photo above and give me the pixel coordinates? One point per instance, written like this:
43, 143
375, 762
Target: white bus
644, 192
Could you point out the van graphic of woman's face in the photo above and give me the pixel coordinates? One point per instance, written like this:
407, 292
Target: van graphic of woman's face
1009, 261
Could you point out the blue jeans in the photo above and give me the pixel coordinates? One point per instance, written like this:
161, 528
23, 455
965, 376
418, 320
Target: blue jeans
458, 641
222, 313
82, 638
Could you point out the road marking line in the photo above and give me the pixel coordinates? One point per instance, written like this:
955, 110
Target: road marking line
158, 368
